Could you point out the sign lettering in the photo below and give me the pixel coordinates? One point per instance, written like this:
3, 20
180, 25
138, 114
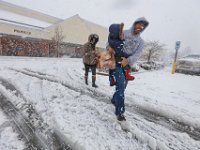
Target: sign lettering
20, 31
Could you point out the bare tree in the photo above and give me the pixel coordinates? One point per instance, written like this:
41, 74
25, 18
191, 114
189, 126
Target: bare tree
58, 39
153, 50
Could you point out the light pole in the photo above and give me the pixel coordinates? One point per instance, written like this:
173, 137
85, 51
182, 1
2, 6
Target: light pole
177, 46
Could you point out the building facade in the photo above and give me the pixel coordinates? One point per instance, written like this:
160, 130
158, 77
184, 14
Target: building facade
21, 39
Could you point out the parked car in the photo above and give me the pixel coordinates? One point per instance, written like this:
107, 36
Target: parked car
189, 65
151, 65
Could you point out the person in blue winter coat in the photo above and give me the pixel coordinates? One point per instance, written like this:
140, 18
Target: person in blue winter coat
133, 48
116, 42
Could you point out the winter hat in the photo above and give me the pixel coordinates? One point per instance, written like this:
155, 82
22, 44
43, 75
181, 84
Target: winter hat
116, 31
93, 37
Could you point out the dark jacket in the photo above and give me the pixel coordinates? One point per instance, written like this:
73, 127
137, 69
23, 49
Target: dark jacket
114, 40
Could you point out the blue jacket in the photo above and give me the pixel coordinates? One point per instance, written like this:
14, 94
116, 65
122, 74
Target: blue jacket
134, 44
115, 42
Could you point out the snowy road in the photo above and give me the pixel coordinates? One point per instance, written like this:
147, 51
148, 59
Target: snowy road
83, 116
33, 135
148, 115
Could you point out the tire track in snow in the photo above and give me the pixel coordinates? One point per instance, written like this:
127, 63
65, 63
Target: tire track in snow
148, 115
40, 73
35, 133
22, 125
137, 138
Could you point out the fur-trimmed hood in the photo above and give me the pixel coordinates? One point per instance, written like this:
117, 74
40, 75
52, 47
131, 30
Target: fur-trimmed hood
116, 31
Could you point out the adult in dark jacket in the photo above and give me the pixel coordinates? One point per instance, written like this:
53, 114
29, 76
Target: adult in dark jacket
90, 58
133, 46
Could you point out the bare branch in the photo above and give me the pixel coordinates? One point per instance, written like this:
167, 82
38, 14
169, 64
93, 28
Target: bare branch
153, 50
58, 39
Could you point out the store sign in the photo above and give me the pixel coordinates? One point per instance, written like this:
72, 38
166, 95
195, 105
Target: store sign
21, 31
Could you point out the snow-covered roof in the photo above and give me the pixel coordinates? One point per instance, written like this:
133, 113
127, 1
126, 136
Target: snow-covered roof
28, 12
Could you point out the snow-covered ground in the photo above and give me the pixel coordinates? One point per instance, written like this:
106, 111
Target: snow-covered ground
157, 102
8, 138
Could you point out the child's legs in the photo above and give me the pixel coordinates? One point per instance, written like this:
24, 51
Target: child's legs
111, 77
110, 74
127, 72
127, 67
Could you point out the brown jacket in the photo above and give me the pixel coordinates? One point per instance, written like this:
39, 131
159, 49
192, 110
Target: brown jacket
89, 54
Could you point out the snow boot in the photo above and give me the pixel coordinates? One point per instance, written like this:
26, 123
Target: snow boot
121, 117
128, 76
86, 80
112, 81
93, 81
123, 123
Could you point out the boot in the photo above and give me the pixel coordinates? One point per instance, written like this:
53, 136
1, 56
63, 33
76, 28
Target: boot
112, 81
86, 80
121, 117
93, 81
128, 76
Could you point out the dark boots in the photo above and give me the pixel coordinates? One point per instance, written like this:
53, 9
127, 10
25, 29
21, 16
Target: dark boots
112, 81
86, 80
121, 117
93, 81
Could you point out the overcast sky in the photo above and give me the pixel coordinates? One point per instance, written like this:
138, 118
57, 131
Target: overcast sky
170, 20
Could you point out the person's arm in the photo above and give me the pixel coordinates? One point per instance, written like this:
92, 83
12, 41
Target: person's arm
126, 55
135, 56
